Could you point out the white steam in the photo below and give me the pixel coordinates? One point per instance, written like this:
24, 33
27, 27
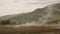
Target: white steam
45, 18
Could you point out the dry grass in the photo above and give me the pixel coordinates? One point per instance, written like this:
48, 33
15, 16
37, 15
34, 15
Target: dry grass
29, 30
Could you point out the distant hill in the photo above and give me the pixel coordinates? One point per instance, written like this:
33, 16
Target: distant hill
39, 15
25, 17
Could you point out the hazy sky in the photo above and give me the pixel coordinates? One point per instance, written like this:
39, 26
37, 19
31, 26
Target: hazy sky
20, 6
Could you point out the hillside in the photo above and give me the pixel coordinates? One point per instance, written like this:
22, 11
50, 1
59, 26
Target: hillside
25, 17
47, 15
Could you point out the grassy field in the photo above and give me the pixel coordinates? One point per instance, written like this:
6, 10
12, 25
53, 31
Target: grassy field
29, 30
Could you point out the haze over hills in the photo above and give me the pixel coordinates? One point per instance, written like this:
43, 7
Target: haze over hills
47, 15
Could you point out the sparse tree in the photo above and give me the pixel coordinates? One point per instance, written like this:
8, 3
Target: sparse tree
5, 22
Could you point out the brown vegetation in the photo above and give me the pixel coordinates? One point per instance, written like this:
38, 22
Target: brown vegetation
29, 30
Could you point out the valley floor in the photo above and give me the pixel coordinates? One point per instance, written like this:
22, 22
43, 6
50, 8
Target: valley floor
47, 29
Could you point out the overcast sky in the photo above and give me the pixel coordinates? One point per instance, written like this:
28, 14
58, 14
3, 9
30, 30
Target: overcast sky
20, 6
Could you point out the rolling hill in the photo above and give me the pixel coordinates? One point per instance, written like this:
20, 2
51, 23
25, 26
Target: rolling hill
47, 15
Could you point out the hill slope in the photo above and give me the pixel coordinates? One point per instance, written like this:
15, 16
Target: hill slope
47, 15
